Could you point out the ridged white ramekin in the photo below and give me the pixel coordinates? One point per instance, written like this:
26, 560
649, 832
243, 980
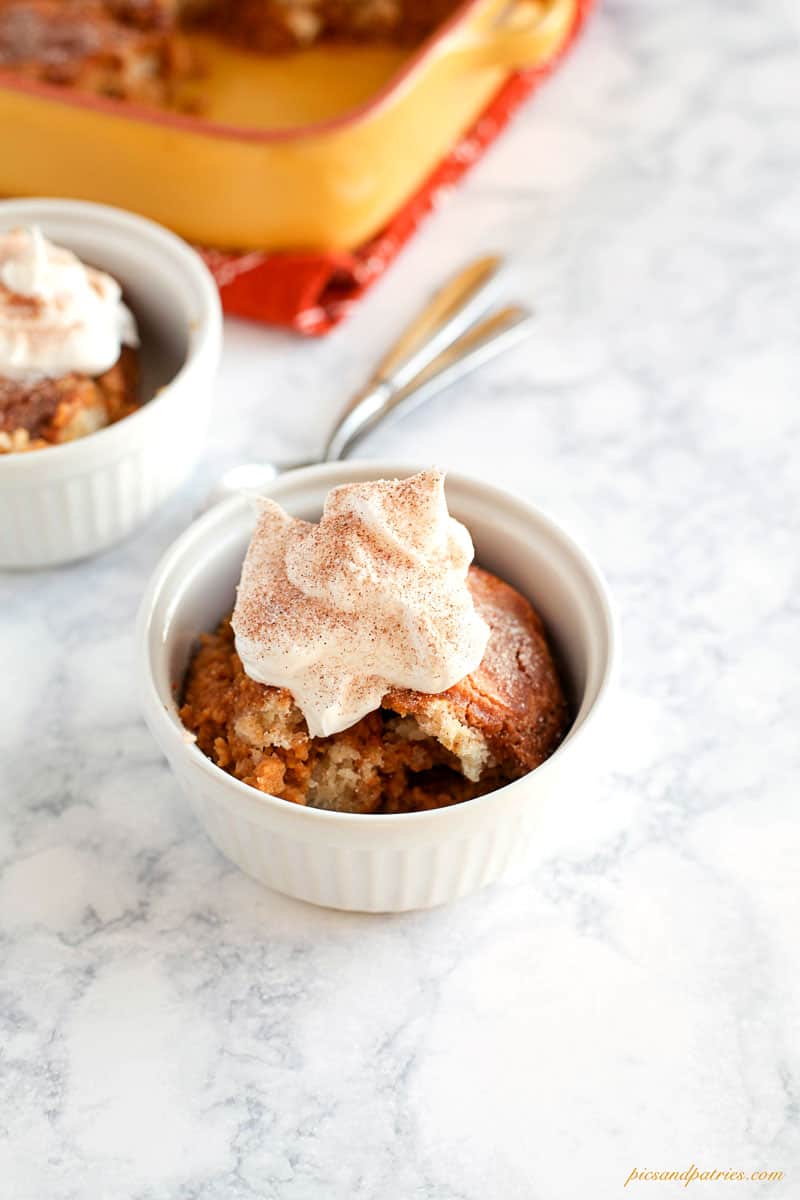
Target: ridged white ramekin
363, 862
66, 502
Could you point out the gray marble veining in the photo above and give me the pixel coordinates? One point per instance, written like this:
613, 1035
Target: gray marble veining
631, 998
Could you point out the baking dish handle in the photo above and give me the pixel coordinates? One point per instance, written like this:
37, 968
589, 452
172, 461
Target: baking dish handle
531, 35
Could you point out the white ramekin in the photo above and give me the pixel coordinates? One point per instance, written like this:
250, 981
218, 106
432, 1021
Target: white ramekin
66, 502
362, 862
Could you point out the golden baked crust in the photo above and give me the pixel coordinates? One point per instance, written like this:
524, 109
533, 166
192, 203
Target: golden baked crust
51, 411
418, 751
514, 698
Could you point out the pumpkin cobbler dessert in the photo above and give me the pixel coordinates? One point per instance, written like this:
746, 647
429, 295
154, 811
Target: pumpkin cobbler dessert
123, 50
368, 667
141, 50
68, 346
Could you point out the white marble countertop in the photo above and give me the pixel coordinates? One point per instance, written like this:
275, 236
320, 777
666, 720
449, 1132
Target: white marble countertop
631, 999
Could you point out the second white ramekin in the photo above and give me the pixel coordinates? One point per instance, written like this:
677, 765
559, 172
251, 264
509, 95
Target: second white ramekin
393, 862
66, 502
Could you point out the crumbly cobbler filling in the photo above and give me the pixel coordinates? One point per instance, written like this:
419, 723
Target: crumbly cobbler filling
49, 412
416, 751
384, 763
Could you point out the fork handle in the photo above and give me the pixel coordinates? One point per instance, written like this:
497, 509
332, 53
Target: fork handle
446, 316
482, 342
452, 309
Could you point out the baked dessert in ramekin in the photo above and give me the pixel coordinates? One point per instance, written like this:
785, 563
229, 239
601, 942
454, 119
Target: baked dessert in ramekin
90, 477
69, 346
393, 860
368, 667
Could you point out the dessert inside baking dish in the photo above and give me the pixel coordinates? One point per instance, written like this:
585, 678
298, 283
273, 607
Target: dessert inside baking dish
150, 50
68, 345
368, 666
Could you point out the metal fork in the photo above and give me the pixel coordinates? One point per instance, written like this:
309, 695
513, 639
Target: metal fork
453, 335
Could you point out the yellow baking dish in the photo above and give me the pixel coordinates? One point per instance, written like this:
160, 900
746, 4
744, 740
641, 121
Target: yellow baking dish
315, 149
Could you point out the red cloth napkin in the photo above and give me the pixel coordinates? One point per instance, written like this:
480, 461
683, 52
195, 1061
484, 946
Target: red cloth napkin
312, 291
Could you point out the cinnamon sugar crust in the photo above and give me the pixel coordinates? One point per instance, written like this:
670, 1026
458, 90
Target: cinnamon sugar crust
417, 751
47, 412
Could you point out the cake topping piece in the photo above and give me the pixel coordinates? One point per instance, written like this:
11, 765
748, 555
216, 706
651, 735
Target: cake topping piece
57, 316
373, 597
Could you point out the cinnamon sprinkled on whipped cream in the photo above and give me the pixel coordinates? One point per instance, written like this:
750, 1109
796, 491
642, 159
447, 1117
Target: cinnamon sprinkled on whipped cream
57, 316
373, 597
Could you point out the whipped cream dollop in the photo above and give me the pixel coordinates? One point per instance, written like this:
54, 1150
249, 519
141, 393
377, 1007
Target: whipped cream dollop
56, 314
373, 597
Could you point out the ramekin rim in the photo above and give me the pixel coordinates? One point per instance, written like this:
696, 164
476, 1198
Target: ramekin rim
205, 339
156, 710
